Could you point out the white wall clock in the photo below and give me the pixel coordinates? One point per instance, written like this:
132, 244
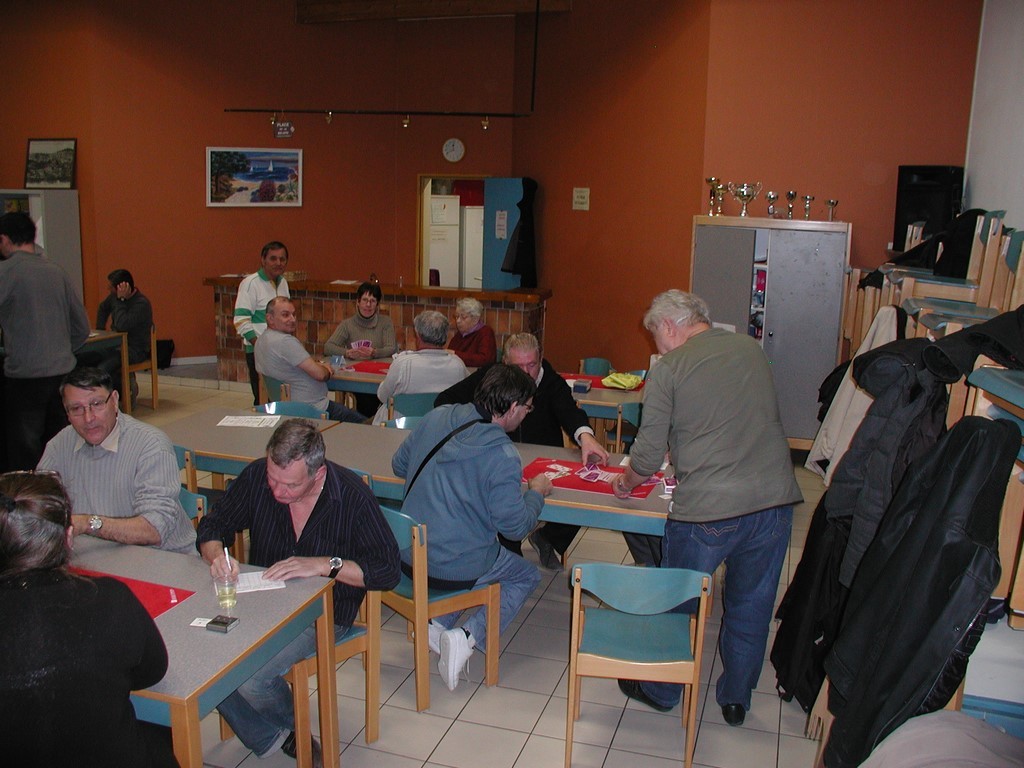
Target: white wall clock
453, 150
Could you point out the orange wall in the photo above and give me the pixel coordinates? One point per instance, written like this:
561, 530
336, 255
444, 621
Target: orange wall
638, 101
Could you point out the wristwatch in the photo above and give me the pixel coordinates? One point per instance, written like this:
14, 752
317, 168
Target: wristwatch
335, 563
95, 523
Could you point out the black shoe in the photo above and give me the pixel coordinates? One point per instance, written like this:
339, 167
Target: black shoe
289, 749
545, 552
633, 690
733, 713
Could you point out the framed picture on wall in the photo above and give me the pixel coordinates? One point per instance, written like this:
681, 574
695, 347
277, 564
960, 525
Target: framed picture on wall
50, 164
238, 176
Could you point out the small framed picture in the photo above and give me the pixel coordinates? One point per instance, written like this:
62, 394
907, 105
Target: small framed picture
50, 164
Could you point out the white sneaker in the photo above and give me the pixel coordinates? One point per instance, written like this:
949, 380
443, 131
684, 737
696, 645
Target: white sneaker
434, 632
456, 648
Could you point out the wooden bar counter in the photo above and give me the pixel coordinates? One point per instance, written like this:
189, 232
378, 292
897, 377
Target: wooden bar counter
321, 305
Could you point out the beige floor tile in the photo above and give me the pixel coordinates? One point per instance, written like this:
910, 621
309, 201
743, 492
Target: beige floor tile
463, 746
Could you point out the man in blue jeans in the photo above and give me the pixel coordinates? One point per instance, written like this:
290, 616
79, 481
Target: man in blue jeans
463, 479
711, 404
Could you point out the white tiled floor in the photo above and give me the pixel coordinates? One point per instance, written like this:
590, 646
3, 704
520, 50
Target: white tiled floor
521, 721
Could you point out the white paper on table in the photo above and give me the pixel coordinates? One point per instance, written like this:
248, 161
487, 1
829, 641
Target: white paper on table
254, 582
249, 421
625, 463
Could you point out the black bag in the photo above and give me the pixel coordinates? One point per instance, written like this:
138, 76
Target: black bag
164, 352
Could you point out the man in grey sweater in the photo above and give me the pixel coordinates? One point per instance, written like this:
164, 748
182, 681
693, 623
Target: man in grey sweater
121, 474
43, 323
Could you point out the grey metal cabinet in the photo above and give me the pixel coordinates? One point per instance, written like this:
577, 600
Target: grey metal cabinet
781, 281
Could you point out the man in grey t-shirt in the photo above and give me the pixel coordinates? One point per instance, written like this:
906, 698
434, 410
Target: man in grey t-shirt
281, 356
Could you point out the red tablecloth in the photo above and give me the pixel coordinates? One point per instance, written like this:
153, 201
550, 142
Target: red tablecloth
370, 366
574, 482
595, 381
156, 598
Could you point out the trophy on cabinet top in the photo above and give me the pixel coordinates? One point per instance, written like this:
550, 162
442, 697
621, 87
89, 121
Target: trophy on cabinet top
831, 208
807, 206
712, 182
790, 197
745, 193
719, 195
771, 197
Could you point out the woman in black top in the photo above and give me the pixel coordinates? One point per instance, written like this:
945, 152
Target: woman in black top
73, 647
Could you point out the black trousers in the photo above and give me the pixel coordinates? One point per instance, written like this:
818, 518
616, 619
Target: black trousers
254, 377
34, 413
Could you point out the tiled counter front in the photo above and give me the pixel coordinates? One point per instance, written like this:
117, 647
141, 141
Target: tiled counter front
322, 305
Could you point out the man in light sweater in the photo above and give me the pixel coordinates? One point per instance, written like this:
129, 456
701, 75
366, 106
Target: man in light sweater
254, 292
43, 323
120, 473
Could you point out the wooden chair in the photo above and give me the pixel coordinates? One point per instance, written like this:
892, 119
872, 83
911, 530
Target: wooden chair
194, 505
273, 390
411, 404
418, 603
289, 408
149, 365
975, 288
363, 638
595, 366
604, 641
616, 440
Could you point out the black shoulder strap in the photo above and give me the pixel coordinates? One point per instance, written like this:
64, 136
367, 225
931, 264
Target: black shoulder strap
437, 448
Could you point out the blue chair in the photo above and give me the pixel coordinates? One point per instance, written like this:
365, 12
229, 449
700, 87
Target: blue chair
619, 439
595, 366
402, 422
288, 408
631, 636
272, 389
418, 603
362, 638
194, 504
412, 404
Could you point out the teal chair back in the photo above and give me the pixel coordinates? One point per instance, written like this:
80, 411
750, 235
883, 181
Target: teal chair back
402, 422
401, 526
419, 404
290, 408
640, 591
1013, 250
194, 504
595, 366
276, 389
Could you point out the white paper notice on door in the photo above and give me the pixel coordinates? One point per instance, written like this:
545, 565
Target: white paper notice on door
501, 225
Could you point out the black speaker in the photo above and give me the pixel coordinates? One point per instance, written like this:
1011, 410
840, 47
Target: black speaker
929, 193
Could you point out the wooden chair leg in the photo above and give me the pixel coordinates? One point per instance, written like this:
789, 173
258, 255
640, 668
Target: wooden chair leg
298, 676
493, 633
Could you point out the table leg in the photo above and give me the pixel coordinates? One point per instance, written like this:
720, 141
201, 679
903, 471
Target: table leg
185, 734
327, 683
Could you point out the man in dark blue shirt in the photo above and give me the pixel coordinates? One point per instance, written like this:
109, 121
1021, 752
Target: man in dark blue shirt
306, 517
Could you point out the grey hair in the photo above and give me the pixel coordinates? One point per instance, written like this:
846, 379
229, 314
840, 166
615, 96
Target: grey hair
470, 306
432, 327
525, 341
297, 439
677, 307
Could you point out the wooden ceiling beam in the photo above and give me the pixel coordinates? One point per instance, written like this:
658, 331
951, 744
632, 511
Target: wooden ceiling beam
323, 11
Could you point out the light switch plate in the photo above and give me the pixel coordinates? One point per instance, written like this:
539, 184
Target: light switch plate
581, 198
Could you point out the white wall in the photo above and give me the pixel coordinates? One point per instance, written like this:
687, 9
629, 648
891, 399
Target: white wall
995, 146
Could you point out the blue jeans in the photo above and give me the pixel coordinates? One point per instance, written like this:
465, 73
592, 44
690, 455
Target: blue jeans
753, 548
260, 710
517, 577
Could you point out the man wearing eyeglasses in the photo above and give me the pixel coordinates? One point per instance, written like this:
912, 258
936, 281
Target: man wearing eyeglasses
120, 473
463, 480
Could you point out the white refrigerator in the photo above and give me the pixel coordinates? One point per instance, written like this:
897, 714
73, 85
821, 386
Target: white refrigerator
444, 238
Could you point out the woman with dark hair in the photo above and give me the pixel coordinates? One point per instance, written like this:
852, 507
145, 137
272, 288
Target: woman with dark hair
73, 647
364, 336
366, 325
